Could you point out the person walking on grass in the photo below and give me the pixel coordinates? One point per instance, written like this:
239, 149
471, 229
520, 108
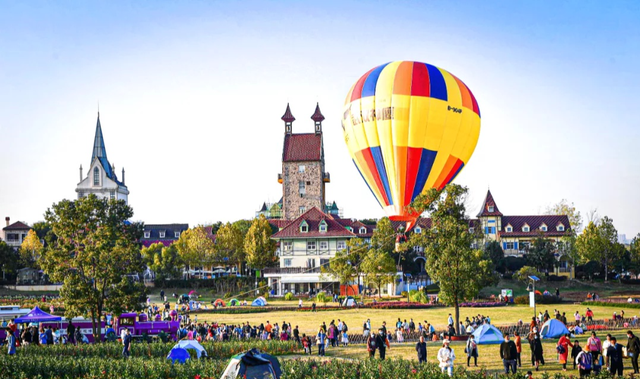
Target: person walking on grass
372, 345
446, 356
321, 339
563, 350
421, 349
584, 360
383, 343
537, 353
509, 355
633, 348
472, 350
518, 341
614, 355
594, 346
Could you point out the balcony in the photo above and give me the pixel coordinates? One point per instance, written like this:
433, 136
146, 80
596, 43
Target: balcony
326, 177
291, 270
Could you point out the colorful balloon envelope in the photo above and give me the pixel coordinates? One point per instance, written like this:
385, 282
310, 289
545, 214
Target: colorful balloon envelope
409, 127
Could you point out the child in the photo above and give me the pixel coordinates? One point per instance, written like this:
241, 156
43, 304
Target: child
345, 338
306, 344
529, 375
574, 352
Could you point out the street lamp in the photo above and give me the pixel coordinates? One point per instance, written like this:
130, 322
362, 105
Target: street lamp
532, 293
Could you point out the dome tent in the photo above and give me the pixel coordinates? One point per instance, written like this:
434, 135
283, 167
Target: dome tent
349, 301
234, 302
487, 334
553, 328
259, 302
252, 364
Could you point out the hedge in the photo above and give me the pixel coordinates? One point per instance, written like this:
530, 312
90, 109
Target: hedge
612, 304
549, 299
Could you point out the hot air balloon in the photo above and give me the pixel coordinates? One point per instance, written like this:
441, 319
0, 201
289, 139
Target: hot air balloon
409, 127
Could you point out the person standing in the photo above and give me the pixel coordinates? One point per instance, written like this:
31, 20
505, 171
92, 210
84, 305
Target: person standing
296, 334
594, 346
518, 341
421, 349
472, 350
633, 348
563, 350
584, 360
71, 332
508, 354
372, 345
11, 341
321, 339
614, 355
537, 353
126, 344
383, 343
450, 320
49, 334
446, 356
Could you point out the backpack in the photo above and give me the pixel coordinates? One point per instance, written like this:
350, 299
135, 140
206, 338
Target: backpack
586, 361
560, 349
345, 328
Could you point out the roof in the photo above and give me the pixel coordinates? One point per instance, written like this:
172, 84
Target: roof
489, 202
279, 223
313, 217
100, 153
317, 115
302, 147
356, 226
169, 230
534, 222
288, 116
19, 225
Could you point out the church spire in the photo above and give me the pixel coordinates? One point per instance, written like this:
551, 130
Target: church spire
317, 118
99, 151
288, 119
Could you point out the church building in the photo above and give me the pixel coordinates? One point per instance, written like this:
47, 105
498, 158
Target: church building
101, 179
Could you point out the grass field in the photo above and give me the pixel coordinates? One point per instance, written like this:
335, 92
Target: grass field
308, 322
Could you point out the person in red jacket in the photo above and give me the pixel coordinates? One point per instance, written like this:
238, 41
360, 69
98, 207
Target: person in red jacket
563, 352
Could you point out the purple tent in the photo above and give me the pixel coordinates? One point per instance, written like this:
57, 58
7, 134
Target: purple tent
37, 315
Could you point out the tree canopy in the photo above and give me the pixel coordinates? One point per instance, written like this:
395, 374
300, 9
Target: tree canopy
541, 254
96, 247
163, 260
195, 248
563, 207
31, 250
378, 268
230, 243
258, 246
599, 242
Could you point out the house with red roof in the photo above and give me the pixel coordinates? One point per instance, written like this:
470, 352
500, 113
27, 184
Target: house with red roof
14, 234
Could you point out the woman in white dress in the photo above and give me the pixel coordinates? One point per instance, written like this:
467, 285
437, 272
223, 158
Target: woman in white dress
446, 356
399, 336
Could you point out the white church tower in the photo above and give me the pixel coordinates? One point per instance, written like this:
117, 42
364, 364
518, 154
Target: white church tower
101, 179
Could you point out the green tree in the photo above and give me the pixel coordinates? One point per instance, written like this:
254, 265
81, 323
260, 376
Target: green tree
525, 272
563, 207
31, 250
9, 261
230, 243
384, 236
345, 266
195, 248
541, 254
244, 226
44, 232
494, 252
95, 248
599, 242
258, 246
163, 260
378, 268
459, 269
634, 253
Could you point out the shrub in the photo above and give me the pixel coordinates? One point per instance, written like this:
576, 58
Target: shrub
288, 296
550, 299
556, 278
611, 304
404, 294
525, 272
418, 297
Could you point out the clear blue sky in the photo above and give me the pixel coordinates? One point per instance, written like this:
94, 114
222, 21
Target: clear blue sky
191, 95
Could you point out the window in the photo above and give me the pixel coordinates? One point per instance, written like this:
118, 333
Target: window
350, 229
524, 246
472, 229
162, 234
96, 176
301, 188
112, 195
147, 234
301, 168
287, 262
560, 228
80, 194
287, 246
362, 230
304, 227
301, 210
509, 229
324, 262
323, 226
176, 234
311, 245
324, 245
417, 230
311, 263
491, 208
509, 246
490, 230
526, 229
341, 245
543, 228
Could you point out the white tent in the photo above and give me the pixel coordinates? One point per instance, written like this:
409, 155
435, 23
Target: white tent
349, 302
192, 344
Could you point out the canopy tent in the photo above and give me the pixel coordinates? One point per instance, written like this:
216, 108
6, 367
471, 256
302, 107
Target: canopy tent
233, 302
553, 328
259, 302
349, 301
487, 334
37, 315
178, 354
252, 364
192, 292
191, 344
220, 302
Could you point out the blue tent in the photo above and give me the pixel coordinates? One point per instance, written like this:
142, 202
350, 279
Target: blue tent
253, 364
487, 334
259, 302
553, 329
37, 315
178, 354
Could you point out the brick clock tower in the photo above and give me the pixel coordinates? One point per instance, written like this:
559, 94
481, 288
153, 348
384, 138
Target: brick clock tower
303, 174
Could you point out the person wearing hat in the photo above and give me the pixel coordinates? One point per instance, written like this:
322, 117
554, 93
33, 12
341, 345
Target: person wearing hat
446, 356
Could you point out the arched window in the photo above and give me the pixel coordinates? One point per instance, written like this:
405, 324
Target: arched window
96, 176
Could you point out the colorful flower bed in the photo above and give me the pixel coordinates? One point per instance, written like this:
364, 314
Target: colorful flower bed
484, 304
